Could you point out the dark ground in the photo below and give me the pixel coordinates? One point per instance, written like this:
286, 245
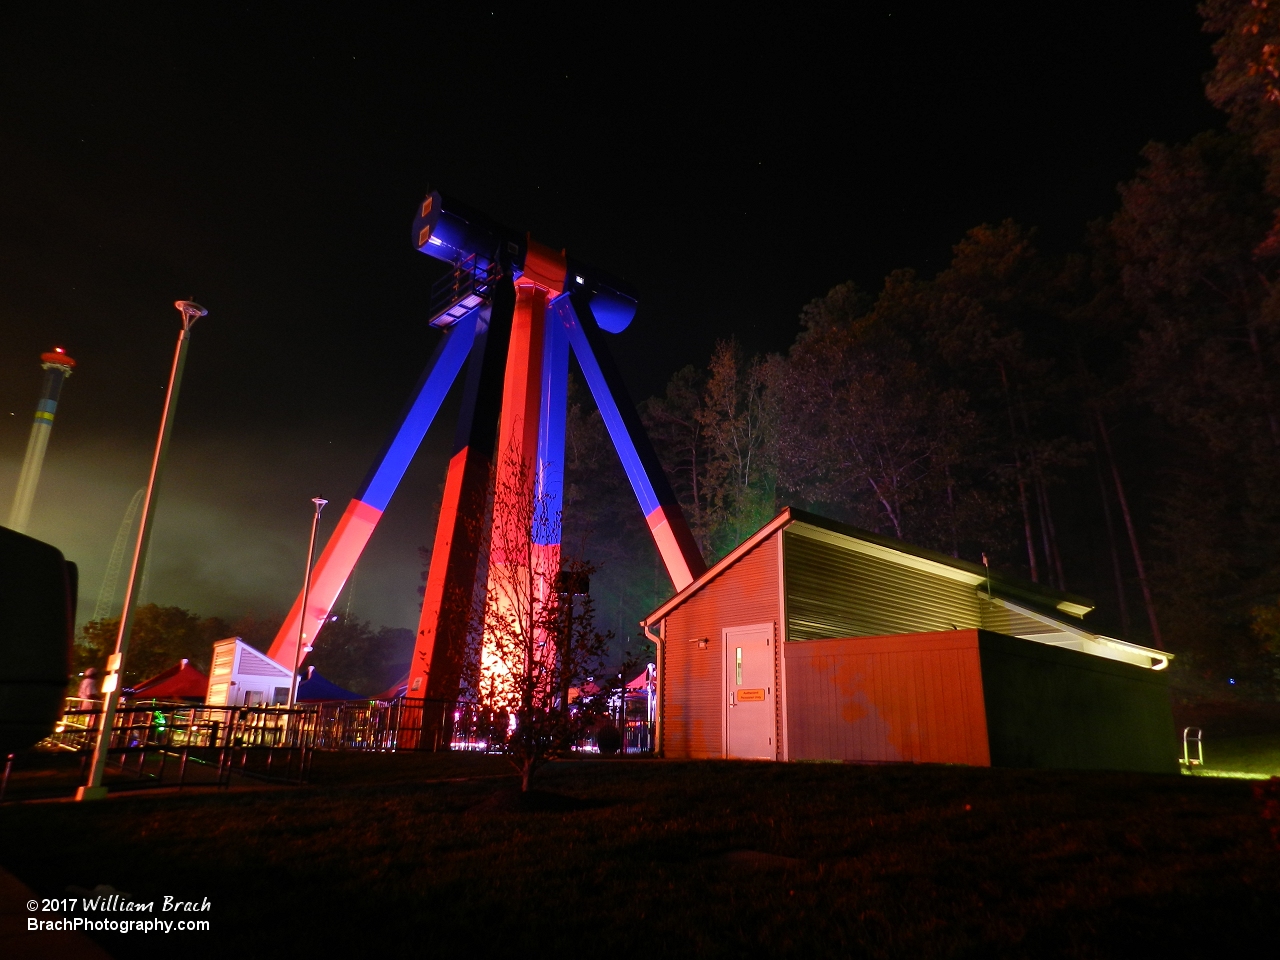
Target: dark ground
386, 853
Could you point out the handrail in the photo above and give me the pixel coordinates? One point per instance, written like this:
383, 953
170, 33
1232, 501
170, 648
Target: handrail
1187, 739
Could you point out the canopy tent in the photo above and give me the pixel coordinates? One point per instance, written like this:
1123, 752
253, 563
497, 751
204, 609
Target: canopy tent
182, 681
397, 690
316, 688
642, 681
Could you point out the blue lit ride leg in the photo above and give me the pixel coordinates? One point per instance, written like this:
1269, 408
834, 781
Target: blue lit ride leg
548, 487
667, 524
365, 509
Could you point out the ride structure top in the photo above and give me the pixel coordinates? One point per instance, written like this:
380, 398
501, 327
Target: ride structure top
511, 309
475, 246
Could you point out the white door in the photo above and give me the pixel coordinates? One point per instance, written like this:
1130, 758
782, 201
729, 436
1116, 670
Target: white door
749, 686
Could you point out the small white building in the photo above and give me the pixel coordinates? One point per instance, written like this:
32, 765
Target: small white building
243, 676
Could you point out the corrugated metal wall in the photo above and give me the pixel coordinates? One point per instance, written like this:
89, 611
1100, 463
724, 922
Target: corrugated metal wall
1012, 623
898, 698
837, 592
693, 687
224, 661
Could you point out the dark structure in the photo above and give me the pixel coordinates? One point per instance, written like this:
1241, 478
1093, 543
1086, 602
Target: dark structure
37, 626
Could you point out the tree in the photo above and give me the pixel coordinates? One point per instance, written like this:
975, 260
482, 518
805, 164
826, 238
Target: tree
675, 423
602, 520
737, 423
536, 640
867, 435
1198, 273
161, 637
258, 632
354, 655
1245, 82
986, 327
1187, 232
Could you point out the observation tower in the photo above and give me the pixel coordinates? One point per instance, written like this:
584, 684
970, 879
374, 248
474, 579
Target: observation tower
57, 367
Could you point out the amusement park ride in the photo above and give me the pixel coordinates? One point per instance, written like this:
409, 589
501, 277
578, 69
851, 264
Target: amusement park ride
511, 310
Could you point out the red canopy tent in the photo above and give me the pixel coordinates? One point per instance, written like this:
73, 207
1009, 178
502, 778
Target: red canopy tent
180, 682
641, 682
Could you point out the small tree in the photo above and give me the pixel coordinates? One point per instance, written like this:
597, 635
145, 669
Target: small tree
534, 625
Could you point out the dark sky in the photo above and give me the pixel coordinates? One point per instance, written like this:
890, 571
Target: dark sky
267, 164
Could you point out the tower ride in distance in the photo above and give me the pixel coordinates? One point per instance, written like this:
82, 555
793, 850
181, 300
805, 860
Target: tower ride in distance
57, 367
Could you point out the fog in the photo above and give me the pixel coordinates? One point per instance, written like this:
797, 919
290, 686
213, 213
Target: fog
232, 521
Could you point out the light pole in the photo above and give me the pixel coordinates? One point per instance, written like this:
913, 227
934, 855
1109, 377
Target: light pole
93, 789
306, 592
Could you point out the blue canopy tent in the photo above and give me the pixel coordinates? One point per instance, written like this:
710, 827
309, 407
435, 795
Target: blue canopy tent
316, 688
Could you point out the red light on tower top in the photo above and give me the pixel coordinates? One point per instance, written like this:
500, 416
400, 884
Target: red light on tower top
58, 356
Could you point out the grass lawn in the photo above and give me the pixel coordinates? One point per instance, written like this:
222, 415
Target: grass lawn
392, 855
1256, 755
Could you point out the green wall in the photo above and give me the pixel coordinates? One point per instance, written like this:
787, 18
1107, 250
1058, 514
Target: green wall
1051, 707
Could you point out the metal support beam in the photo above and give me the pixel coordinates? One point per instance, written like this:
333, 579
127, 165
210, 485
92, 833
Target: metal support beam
549, 467
667, 524
365, 509
436, 669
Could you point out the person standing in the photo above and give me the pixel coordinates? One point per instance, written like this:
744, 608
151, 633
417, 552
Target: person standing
88, 686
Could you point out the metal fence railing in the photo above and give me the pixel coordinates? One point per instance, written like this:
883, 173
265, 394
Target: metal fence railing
277, 742
638, 737
272, 743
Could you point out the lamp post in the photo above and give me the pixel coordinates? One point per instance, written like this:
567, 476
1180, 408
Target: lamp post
93, 788
306, 592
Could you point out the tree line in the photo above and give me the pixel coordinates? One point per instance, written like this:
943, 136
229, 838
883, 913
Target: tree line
352, 654
1102, 421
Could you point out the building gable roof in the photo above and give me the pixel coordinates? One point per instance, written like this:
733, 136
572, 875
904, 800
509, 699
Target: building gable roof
1048, 601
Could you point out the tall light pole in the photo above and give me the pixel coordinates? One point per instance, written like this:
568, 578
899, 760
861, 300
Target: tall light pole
306, 593
94, 789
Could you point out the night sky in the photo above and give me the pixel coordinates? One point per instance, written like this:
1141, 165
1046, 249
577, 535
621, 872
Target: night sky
267, 164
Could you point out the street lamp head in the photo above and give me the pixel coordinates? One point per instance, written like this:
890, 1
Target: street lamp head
191, 311
319, 502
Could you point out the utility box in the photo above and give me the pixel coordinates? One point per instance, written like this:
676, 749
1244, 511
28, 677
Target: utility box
241, 676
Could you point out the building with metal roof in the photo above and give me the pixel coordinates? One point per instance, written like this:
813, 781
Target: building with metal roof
814, 640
